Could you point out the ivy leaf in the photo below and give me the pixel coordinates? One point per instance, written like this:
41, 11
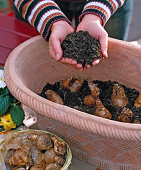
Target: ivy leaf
13, 99
1, 91
17, 115
4, 104
6, 91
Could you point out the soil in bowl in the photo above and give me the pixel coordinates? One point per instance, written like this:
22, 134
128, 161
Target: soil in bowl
81, 47
77, 93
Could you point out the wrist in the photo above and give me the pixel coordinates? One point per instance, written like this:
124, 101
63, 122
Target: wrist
60, 22
57, 23
93, 17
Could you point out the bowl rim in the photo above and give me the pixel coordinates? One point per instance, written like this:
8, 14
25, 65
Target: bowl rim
72, 117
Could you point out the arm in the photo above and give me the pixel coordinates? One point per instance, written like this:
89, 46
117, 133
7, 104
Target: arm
41, 14
102, 8
93, 18
49, 20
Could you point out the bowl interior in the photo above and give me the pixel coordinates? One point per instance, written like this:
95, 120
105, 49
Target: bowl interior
29, 67
34, 67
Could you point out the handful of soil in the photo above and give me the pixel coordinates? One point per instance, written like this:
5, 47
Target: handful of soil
81, 47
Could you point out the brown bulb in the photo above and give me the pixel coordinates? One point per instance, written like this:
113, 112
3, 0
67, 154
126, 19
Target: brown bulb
51, 166
89, 101
54, 97
50, 156
72, 84
101, 111
19, 158
66, 83
138, 101
44, 142
137, 121
37, 167
118, 97
59, 146
126, 115
94, 89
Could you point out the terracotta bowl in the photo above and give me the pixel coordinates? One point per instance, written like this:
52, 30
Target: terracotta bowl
98, 141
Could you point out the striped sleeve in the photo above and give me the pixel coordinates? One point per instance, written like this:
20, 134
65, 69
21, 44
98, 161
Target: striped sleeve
102, 8
41, 14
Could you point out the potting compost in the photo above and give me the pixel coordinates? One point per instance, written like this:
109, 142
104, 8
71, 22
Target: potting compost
108, 99
81, 47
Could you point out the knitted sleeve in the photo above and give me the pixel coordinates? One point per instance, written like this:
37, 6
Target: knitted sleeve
102, 8
41, 14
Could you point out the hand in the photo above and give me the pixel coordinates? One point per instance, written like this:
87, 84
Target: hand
59, 31
93, 24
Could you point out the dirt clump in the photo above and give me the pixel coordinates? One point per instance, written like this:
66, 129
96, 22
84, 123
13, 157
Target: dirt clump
81, 47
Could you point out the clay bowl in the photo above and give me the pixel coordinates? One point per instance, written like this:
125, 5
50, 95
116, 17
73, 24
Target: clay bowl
98, 141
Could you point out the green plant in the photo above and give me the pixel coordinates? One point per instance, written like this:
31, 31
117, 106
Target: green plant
11, 112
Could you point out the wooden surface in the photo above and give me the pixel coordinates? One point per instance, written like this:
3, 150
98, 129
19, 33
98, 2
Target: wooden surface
78, 164
12, 33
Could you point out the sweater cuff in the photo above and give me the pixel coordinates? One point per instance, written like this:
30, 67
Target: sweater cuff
44, 27
102, 8
40, 14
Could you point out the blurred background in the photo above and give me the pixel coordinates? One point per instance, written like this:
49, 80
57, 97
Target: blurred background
6, 7
135, 28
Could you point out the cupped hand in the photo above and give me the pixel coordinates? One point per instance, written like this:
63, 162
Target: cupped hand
59, 31
93, 24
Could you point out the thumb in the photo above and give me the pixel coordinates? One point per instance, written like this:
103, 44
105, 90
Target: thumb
57, 50
104, 45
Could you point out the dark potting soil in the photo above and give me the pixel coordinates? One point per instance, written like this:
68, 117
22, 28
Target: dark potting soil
81, 47
75, 100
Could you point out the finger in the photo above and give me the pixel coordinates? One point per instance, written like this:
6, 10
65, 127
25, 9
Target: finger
88, 66
85, 68
57, 49
81, 69
64, 62
51, 51
79, 66
104, 44
70, 61
96, 62
77, 29
80, 27
73, 62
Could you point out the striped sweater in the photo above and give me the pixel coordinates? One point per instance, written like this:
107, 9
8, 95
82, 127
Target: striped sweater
43, 13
